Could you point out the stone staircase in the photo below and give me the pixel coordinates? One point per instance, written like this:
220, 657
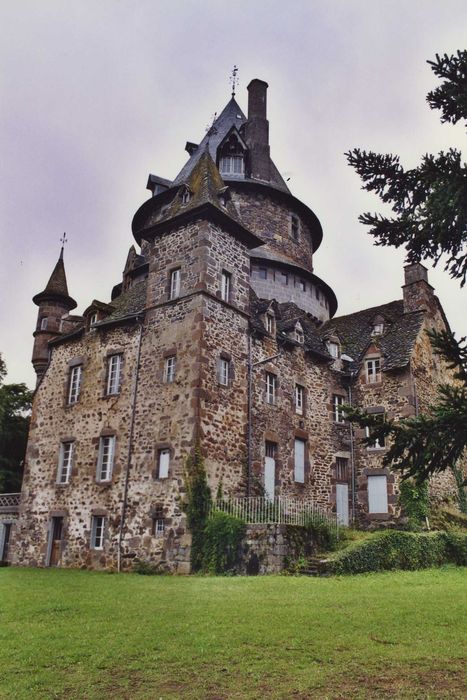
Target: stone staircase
316, 566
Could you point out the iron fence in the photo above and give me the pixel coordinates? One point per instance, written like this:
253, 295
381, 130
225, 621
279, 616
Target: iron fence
9, 502
281, 509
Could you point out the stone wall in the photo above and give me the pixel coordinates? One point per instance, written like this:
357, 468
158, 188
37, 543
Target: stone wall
269, 549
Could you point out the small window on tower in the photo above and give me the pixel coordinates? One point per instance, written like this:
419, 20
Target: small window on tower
295, 227
44, 321
174, 291
226, 284
158, 522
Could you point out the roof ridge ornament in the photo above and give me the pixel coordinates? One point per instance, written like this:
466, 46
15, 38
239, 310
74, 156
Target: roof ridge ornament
233, 80
63, 240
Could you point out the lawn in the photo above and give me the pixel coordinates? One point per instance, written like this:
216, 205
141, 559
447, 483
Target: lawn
76, 634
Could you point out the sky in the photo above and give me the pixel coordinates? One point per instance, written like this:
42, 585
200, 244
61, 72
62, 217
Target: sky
94, 96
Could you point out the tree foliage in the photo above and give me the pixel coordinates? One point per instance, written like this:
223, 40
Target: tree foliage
15, 403
197, 505
429, 202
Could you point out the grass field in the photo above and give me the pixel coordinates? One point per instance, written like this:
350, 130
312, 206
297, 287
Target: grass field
75, 634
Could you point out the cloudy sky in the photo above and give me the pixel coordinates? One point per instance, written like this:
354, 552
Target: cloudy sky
96, 95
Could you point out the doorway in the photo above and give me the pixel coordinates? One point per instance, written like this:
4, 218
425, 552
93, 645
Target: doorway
55, 541
342, 504
270, 470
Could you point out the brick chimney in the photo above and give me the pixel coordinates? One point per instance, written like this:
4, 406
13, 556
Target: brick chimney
418, 293
257, 131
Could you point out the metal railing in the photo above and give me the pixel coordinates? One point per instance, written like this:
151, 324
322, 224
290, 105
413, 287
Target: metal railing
9, 502
281, 510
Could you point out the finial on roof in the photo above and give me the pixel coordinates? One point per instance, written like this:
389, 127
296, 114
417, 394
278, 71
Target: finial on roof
63, 240
233, 80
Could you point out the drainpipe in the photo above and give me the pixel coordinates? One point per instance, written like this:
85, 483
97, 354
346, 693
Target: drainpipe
130, 447
352, 455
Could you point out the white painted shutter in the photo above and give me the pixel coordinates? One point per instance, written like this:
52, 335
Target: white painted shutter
377, 494
269, 477
164, 458
342, 503
300, 461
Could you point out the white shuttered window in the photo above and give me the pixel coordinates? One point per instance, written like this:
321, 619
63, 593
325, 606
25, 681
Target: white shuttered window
299, 467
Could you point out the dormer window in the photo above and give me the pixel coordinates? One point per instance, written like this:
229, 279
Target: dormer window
333, 348
186, 196
232, 165
299, 336
93, 319
378, 326
270, 322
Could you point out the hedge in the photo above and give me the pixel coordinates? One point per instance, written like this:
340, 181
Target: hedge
395, 549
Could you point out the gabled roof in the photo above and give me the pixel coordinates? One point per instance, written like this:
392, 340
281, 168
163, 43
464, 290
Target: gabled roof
56, 288
128, 305
396, 343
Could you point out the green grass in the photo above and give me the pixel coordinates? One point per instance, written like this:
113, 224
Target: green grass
76, 634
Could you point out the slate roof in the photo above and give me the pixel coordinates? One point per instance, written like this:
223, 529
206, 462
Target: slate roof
56, 286
127, 305
231, 116
396, 343
287, 315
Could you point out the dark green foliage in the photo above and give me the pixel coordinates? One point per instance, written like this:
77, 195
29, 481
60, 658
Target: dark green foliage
147, 568
197, 505
325, 535
223, 535
413, 499
429, 202
431, 442
15, 403
394, 549
461, 488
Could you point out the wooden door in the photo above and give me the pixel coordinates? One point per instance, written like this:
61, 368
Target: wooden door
56, 544
342, 503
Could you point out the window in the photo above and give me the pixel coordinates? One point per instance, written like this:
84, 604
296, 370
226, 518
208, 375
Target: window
333, 348
169, 370
299, 399
301, 284
232, 164
271, 387
270, 323
284, 278
342, 469
74, 385
299, 335
97, 531
373, 370
299, 461
224, 366
294, 226
44, 321
65, 461
114, 368
262, 273
378, 443
105, 460
337, 403
186, 196
175, 284
377, 494
93, 320
378, 329
225, 286
158, 522
163, 461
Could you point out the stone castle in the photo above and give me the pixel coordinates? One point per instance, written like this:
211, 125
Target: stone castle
221, 335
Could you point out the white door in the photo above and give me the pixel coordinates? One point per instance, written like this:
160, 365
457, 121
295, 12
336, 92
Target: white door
269, 477
342, 503
377, 494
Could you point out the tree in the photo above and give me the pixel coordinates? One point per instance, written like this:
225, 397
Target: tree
15, 403
430, 207
430, 201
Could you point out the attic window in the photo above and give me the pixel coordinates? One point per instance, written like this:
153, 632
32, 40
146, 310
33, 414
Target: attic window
232, 165
298, 334
378, 328
186, 196
333, 348
270, 322
93, 319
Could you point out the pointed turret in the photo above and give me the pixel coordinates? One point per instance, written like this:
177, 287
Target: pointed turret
53, 302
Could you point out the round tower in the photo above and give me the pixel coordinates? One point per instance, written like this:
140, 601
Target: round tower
53, 302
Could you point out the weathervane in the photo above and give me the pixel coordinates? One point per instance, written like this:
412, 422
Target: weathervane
233, 80
63, 240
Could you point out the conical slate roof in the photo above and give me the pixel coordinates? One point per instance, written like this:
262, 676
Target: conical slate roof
56, 288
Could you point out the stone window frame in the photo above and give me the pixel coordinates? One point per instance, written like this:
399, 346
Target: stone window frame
333, 347
299, 406
337, 415
170, 366
76, 364
68, 441
305, 449
295, 227
376, 362
158, 521
270, 322
43, 323
271, 386
226, 285
94, 529
379, 411
163, 448
174, 282
108, 369
342, 470
106, 435
224, 378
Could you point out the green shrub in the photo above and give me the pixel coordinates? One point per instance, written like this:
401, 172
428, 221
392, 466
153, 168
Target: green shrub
221, 543
325, 535
197, 506
394, 549
147, 568
413, 499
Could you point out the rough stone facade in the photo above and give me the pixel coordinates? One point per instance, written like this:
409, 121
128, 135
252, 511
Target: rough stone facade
195, 348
